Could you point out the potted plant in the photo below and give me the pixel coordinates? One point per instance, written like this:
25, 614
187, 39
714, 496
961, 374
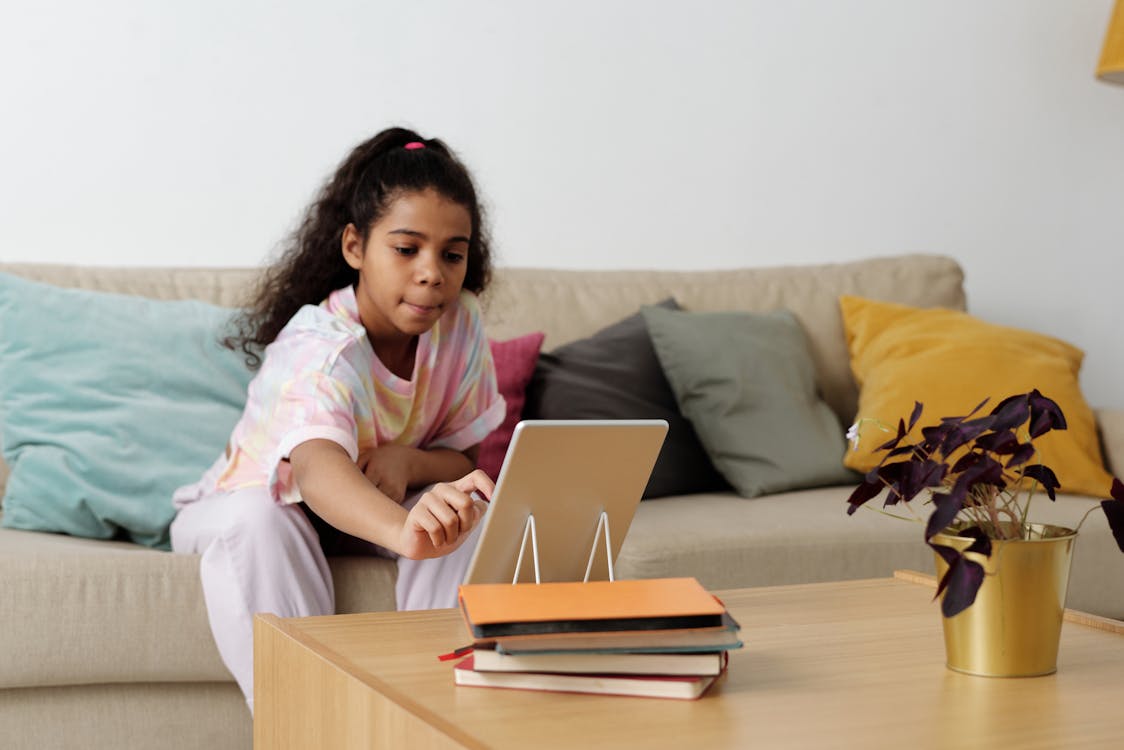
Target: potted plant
1002, 577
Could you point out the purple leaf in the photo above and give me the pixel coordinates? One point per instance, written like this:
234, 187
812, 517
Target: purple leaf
918, 475
1024, 453
1040, 425
1117, 491
965, 579
978, 406
862, 493
917, 407
1011, 412
901, 450
946, 506
998, 442
960, 583
1114, 512
967, 461
893, 442
1045, 477
890, 475
933, 437
983, 470
982, 543
950, 555
935, 433
964, 433
1045, 415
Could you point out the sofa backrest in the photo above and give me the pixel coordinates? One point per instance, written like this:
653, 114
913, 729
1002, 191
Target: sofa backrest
568, 305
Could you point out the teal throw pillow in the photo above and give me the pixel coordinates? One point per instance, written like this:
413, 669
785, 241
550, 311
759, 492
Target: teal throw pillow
746, 382
108, 403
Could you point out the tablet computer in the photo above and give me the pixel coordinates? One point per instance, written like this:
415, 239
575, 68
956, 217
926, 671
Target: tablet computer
565, 473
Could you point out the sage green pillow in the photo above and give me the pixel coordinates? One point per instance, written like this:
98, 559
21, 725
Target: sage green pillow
108, 403
747, 384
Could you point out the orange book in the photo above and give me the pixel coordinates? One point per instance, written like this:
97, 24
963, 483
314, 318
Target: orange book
502, 609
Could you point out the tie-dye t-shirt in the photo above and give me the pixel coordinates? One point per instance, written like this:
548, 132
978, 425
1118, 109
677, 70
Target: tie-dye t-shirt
321, 379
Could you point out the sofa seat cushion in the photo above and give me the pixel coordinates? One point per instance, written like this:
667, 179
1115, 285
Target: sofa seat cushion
82, 611
728, 541
168, 716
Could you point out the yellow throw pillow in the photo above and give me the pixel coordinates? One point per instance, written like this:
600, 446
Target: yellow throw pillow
950, 361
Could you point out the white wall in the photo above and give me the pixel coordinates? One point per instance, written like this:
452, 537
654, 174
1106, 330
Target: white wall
603, 134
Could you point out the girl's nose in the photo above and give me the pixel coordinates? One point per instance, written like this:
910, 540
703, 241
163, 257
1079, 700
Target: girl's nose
428, 270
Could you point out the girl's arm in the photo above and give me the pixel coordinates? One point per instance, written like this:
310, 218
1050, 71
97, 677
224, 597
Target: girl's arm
337, 491
395, 468
441, 465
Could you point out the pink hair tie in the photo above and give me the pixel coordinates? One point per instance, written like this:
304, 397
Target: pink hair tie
413, 145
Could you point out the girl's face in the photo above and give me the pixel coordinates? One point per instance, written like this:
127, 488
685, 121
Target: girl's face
412, 266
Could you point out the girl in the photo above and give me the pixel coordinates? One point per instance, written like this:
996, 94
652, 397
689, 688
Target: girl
376, 381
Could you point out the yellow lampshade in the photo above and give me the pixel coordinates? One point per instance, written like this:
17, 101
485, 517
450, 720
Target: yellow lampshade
1111, 67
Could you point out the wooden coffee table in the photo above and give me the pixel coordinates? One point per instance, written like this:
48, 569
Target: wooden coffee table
855, 663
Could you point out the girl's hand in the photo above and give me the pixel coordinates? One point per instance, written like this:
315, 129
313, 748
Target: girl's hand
443, 517
388, 467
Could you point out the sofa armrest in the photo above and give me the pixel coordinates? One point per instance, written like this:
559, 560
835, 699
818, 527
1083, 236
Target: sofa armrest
1110, 422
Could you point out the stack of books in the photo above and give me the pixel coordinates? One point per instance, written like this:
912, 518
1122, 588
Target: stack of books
664, 637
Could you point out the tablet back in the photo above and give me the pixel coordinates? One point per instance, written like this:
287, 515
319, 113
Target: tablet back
565, 473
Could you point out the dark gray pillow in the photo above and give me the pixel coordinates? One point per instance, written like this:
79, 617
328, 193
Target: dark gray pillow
747, 383
614, 374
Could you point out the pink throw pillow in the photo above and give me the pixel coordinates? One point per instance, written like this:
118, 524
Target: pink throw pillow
515, 364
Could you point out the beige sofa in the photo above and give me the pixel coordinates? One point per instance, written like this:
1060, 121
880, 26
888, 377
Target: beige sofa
106, 644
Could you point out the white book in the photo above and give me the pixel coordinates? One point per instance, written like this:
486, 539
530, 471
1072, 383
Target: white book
682, 687
600, 662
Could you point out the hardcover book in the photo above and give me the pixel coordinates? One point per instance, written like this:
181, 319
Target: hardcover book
721, 638
501, 609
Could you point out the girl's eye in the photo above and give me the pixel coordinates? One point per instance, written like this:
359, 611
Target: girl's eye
405, 250
454, 257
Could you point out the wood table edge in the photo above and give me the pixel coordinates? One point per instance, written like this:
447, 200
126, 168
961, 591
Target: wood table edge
351, 669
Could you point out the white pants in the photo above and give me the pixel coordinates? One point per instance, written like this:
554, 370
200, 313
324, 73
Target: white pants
259, 556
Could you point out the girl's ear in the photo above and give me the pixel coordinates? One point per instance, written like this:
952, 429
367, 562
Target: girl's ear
351, 244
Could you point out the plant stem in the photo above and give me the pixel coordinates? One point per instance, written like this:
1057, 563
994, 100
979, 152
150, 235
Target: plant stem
1033, 485
1079, 523
915, 519
1029, 497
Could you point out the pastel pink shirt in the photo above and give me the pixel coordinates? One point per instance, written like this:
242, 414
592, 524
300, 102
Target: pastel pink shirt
322, 379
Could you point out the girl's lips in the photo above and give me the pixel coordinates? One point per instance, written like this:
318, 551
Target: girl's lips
423, 310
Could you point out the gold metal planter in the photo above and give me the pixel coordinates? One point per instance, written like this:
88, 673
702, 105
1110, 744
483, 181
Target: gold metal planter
1014, 626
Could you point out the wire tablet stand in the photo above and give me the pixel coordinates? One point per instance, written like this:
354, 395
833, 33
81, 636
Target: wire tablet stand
529, 531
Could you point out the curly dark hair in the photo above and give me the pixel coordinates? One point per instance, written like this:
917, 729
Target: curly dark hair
367, 182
